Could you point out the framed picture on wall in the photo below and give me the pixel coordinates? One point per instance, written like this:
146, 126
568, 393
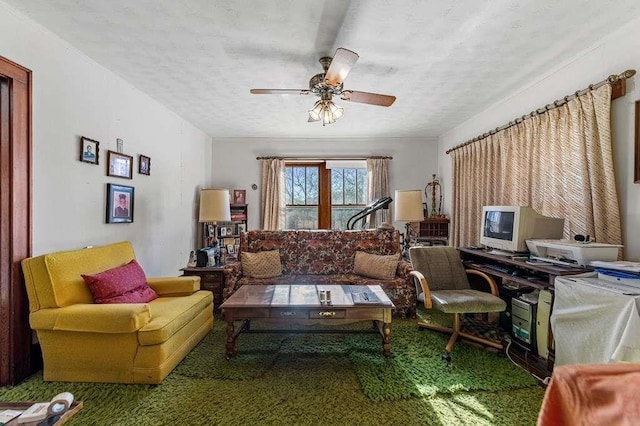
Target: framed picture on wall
120, 202
144, 165
239, 196
119, 165
89, 150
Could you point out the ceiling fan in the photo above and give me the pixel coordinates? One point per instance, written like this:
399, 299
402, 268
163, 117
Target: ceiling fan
329, 83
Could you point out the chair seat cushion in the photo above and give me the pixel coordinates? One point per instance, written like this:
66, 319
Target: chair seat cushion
466, 301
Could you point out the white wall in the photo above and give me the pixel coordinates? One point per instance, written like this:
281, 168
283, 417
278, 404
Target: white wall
73, 96
612, 55
235, 165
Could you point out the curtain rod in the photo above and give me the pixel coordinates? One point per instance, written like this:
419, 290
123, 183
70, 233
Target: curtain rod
375, 157
612, 79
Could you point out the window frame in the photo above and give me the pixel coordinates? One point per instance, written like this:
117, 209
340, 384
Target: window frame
324, 191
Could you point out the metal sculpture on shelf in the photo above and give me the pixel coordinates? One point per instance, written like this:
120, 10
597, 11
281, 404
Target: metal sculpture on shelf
433, 187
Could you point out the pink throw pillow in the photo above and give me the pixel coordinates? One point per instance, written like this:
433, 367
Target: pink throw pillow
124, 284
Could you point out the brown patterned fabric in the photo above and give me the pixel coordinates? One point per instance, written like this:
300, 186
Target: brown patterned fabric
326, 257
559, 162
264, 264
376, 266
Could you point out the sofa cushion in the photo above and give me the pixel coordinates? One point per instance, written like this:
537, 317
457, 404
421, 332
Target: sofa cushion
376, 266
264, 264
171, 314
64, 270
123, 284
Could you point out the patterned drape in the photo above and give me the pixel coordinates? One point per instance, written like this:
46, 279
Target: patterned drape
559, 162
272, 194
378, 187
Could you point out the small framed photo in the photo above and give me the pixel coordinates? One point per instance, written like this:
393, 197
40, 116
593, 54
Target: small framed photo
231, 249
239, 196
120, 201
119, 165
144, 165
241, 228
223, 231
89, 150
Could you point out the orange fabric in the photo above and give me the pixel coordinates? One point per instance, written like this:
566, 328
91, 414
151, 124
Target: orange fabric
592, 394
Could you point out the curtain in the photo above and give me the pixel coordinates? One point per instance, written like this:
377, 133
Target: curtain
272, 194
378, 187
559, 162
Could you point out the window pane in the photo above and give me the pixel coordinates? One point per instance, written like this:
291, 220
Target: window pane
312, 185
361, 190
299, 185
349, 186
340, 216
288, 185
301, 218
336, 186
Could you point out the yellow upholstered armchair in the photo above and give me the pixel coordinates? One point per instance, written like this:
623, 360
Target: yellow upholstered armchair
442, 283
83, 341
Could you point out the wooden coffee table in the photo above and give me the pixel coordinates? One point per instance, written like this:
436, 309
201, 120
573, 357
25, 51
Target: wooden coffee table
300, 304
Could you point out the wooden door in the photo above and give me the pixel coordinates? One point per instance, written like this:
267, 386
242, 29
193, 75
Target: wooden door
16, 360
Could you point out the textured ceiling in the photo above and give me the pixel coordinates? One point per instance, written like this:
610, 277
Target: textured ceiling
443, 60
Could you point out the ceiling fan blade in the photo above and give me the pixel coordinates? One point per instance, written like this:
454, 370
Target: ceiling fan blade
280, 91
368, 98
341, 64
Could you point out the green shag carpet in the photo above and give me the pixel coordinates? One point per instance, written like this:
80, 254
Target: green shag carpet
314, 379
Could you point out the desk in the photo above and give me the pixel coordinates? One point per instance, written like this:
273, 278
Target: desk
592, 324
541, 275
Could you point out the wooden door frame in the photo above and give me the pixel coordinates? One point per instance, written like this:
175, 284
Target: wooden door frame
16, 358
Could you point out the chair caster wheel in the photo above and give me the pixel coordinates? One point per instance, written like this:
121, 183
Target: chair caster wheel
446, 357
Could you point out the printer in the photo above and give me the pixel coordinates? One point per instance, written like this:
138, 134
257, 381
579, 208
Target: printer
571, 253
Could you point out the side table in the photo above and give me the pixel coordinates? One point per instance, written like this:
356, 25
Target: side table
211, 278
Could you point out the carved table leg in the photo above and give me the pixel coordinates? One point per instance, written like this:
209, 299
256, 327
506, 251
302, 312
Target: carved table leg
231, 340
386, 339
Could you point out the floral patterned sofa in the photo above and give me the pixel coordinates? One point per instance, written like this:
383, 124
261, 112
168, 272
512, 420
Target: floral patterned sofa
326, 257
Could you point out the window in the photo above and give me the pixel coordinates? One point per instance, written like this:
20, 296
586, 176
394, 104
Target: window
324, 195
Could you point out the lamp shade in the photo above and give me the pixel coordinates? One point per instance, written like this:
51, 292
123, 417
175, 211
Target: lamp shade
408, 205
214, 205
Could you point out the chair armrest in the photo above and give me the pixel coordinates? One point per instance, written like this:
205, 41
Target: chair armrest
175, 286
232, 273
487, 277
425, 287
93, 318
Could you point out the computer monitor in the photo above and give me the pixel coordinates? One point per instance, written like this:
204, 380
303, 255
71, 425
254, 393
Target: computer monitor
506, 228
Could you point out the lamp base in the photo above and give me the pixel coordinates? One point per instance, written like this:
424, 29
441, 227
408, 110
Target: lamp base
407, 240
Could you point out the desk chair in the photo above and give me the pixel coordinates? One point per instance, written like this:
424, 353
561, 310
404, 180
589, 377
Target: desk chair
441, 282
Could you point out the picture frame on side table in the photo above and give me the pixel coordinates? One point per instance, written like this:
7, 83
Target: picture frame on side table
636, 175
120, 203
144, 165
239, 196
89, 150
119, 165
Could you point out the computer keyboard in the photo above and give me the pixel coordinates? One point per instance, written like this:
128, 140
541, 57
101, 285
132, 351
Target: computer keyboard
500, 268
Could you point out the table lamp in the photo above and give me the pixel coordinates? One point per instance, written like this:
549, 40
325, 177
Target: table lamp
214, 207
408, 208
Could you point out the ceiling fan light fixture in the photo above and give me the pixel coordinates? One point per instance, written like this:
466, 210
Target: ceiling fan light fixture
326, 111
316, 111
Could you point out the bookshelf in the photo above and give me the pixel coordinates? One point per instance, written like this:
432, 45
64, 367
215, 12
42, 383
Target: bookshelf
228, 233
